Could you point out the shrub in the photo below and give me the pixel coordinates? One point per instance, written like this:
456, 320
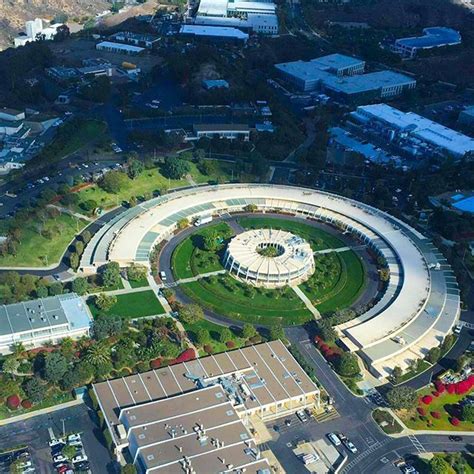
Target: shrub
185, 356
13, 402
324, 347
230, 344
454, 421
436, 414
440, 387
156, 363
451, 388
26, 404
421, 411
427, 399
208, 349
255, 339
435, 394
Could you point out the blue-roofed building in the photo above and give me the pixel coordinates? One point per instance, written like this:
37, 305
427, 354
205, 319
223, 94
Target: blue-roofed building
34, 323
435, 37
210, 84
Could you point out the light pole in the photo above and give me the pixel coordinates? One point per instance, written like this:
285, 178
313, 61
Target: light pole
64, 426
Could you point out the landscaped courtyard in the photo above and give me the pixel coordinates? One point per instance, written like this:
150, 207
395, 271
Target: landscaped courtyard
338, 280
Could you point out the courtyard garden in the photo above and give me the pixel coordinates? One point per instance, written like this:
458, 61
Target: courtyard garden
445, 407
337, 282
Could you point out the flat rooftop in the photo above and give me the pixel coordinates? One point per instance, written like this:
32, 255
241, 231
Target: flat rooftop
367, 82
6, 110
421, 127
124, 47
216, 31
221, 127
44, 313
432, 37
269, 373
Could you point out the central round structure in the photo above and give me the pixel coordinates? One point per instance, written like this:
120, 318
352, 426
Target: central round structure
270, 258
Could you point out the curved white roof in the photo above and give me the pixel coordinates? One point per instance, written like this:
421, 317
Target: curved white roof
410, 294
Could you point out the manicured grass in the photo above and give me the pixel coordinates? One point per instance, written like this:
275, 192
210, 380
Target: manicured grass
132, 305
190, 258
317, 238
223, 172
423, 365
339, 277
147, 182
138, 283
390, 425
225, 295
446, 404
36, 250
349, 288
215, 331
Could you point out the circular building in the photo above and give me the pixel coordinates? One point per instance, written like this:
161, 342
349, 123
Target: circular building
270, 258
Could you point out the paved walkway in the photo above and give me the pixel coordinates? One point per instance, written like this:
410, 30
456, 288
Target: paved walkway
194, 278
65, 210
126, 284
307, 302
43, 411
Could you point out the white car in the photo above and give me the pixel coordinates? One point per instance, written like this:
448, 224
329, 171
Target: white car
163, 276
334, 439
350, 446
76, 443
80, 458
457, 329
302, 416
59, 458
74, 437
55, 442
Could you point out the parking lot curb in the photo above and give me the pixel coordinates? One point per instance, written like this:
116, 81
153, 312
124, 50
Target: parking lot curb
43, 411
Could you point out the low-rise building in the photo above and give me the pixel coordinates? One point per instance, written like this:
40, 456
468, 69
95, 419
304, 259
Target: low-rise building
143, 40
229, 131
198, 415
343, 78
466, 117
435, 37
256, 16
34, 323
11, 115
219, 33
35, 30
120, 48
415, 134
210, 84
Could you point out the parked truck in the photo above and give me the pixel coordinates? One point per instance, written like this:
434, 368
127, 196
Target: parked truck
202, 220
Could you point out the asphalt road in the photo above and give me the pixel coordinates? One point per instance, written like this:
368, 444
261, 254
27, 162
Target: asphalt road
376, 451
34, 433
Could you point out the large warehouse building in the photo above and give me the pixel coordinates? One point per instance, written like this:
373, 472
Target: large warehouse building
343, 77
37, 322
421, 302
199, 414
256, 16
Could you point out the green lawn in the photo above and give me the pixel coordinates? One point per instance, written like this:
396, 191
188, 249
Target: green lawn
225, 295
446, 404
36, 250
317, 238
215, 331
132, 305
72, 137
339, 277
190, 258
138, 283
148, 182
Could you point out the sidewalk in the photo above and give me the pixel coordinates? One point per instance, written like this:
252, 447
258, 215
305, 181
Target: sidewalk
307, 302
43, 411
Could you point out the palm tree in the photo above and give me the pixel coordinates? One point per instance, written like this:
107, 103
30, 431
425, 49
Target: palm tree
18, 349
98, 354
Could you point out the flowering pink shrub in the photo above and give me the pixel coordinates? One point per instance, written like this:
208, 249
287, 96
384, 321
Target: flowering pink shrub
427, 399
454, 421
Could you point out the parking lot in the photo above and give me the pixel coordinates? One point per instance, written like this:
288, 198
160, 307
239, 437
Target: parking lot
36, 433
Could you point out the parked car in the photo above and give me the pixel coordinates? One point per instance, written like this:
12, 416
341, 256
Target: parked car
80, 458
163, 276
334, 439
350, 446
59, 458
302, 416
82, 466
455, 438
73, 437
